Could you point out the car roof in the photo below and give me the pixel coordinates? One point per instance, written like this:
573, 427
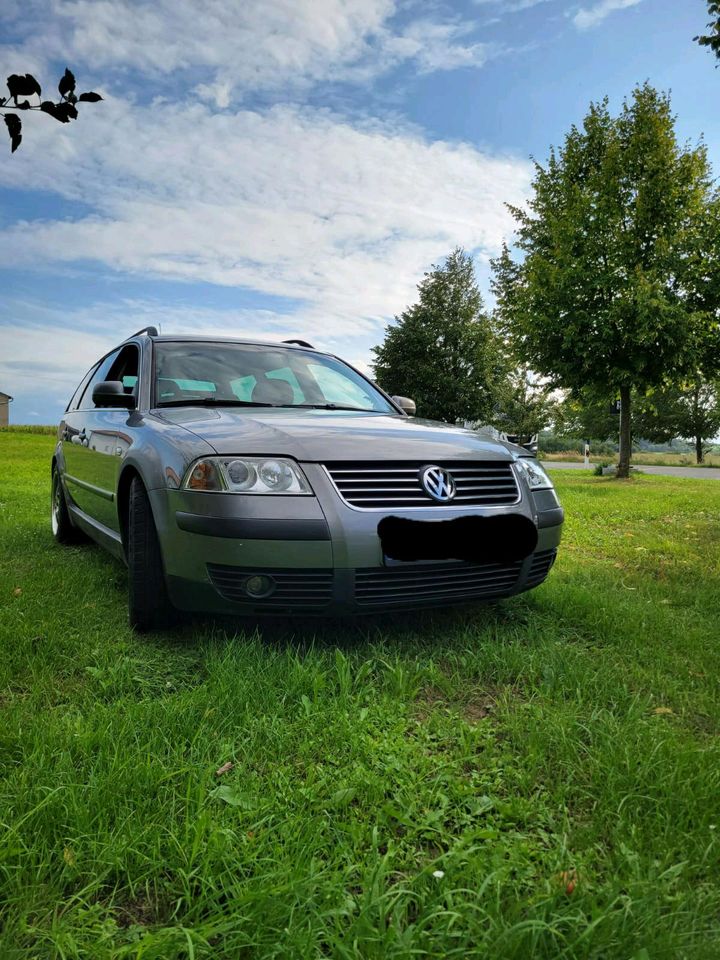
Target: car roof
197, 338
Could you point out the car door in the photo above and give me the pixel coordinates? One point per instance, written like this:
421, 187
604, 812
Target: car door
113, 435
94, 440
81, 467
97, 438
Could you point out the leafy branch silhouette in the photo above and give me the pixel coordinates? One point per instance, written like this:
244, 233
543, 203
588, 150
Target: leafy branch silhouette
712, 38
27, 87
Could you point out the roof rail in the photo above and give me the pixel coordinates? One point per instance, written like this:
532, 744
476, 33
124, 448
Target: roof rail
150, 331
300, 343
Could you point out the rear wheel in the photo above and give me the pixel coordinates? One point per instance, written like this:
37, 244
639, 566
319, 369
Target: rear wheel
149, 604
60, 522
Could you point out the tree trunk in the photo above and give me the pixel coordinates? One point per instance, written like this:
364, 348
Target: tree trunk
623, 467
699, 452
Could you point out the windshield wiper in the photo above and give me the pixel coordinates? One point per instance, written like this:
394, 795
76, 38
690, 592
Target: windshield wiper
212, 402
333, 406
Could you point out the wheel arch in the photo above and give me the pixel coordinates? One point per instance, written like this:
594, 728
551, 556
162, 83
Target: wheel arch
129, 473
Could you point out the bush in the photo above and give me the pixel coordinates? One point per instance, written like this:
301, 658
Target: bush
552, 443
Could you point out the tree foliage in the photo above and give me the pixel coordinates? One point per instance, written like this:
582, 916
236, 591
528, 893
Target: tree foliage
712, 37
691, 411
587, 414
25, 93
441, 351
524, 405
613, 292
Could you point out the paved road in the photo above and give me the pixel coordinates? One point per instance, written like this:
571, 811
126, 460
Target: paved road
697, 473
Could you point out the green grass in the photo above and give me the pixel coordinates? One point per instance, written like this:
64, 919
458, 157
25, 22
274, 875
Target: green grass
572, 731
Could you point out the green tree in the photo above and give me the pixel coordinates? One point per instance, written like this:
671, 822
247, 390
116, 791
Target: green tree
691, 412
712, 37
442, 351
587, 415
524, 405
611, 246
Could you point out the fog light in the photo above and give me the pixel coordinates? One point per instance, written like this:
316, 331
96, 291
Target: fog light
258, 587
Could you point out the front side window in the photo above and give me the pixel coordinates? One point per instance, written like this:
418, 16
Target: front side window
255, 375
100, 374
75, 400
125, 368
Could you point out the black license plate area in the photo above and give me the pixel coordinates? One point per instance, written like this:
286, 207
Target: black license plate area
503, 539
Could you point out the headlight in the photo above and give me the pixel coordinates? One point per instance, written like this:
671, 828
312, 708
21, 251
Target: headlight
534, 474
246, 475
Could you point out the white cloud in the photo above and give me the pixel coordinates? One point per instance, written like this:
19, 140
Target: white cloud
227, 50
340, 217
436, 46
513, 6
288, 202
32, 354
587, 18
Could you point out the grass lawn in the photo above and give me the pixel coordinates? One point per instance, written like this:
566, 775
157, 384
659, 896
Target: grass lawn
537, 779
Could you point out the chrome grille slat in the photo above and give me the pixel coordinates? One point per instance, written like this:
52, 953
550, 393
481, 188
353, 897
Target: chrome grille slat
394, 484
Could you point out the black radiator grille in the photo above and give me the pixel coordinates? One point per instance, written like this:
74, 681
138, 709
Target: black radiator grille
434, 582
540, 566
301, 589
397, 485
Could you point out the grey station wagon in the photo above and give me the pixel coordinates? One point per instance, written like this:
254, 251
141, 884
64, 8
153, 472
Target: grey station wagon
246, 477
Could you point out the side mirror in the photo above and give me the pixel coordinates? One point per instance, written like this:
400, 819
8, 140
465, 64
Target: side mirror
405, 404
111, 393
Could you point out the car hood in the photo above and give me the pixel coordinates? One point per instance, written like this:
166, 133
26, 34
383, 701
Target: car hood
327, 435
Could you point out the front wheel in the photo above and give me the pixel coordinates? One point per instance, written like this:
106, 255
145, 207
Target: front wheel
60, 522
148, 602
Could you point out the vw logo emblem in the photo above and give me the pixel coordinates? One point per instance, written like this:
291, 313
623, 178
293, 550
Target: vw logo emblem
437, 483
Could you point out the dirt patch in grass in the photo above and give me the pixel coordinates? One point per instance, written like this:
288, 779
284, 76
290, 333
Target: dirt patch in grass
138, 912
472, 705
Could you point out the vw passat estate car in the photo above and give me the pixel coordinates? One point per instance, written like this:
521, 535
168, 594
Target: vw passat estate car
245, 477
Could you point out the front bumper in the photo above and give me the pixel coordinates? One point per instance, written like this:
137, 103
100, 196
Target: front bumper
324, 556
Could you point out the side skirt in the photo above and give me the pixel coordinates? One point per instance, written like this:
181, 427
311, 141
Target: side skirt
101, 534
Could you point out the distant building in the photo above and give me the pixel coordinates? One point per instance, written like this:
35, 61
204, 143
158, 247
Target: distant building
5, 399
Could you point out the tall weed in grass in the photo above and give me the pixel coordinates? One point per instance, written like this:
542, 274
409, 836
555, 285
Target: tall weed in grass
538, 778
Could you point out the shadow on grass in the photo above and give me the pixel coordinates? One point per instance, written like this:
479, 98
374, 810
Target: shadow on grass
301, 633
352, 632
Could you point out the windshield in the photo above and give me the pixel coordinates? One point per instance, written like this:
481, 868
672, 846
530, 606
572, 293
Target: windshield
255, 375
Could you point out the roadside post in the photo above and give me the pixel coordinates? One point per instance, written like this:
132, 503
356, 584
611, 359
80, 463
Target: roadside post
586, 461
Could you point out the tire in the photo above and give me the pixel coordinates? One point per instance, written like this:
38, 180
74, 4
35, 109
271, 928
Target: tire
63, 529
149, 606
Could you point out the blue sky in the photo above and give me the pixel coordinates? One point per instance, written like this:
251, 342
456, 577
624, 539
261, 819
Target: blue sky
291, 167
